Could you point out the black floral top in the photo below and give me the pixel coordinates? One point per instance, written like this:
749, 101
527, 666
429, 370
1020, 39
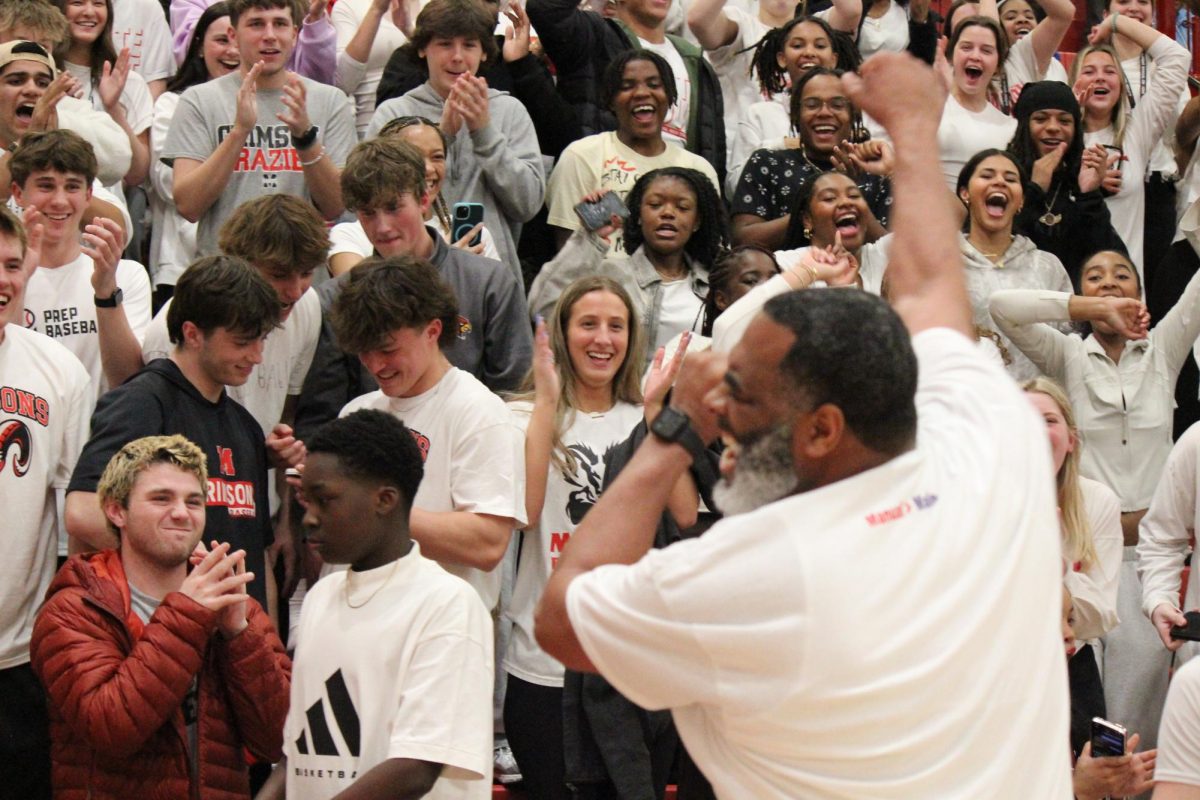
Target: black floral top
771, 178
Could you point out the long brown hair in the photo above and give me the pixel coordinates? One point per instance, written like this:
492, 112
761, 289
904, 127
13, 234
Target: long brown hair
626, 384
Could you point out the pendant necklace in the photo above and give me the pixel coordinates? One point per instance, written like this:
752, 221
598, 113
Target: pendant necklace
1050, 219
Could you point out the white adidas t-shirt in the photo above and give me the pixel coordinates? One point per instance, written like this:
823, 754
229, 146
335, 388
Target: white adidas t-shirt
407, 674
568, 498
60, 302
287, 355
675, 126
46, 401
892, 635
474, 456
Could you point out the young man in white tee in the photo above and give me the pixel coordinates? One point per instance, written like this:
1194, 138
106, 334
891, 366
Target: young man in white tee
391, 686
83, 294
397, 315
837, 641
45, 403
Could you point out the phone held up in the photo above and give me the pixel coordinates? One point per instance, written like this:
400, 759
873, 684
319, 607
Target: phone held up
464, 217
1108, 738
600, 213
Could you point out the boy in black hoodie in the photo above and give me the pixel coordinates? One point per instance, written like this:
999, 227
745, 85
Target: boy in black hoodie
221, 312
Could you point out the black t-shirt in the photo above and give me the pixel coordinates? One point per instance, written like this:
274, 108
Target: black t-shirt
159, 400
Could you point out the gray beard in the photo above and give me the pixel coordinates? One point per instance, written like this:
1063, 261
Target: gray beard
764, 474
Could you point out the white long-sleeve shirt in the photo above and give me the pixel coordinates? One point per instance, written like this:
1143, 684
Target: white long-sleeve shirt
1163, 534
1094, 590
1125, 410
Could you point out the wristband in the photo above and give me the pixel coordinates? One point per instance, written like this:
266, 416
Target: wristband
310, 162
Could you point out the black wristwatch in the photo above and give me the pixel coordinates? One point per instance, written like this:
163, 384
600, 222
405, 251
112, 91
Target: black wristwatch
110, 302
305, 139
673, 427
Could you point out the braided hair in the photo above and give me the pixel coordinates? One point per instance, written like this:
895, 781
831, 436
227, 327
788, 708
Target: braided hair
772, 78
724, 268
713, 231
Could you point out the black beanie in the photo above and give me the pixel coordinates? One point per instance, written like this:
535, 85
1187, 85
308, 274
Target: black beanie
1042, 95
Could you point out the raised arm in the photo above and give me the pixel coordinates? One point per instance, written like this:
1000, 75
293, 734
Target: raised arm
927, 283
844, 15
710, 24
1049, 33
539, 434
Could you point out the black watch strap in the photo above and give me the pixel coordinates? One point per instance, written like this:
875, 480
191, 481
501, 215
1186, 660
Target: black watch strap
673, 426
305, 139
109, 302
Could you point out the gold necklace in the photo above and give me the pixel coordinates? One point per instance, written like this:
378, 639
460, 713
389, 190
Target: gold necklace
387, 580
1050, 219
996, 258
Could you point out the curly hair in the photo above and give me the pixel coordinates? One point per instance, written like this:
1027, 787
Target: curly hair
858, 131
709, 238
383, 295
276, 229
614, 73
1025, 149
772, 78
373, 446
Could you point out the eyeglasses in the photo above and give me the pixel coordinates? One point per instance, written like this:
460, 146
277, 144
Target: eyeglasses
833, 104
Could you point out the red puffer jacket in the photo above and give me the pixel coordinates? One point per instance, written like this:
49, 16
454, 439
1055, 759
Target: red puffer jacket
116, 689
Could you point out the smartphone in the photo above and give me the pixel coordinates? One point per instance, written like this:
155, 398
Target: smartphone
1189, 632
1108, 738
464, 217
600, 213
1112, 148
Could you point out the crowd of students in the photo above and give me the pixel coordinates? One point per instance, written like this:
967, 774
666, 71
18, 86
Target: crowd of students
246, 239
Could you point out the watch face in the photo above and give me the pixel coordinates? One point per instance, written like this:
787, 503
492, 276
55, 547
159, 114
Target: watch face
670, 424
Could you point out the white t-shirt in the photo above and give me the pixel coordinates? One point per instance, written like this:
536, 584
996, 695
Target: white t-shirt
739, 89
886, 32
407, 674
135, 97
764, 124
862, 639
1163, 158
675, 126
964, 133
680, 311
1094, 591
602, 161
568, 498
287, 355
46, 401
349, 237
172, 238
1179, 732
60, 303
142, 26
474, 457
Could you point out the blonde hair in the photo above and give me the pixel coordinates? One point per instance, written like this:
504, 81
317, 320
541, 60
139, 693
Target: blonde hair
626, 383
133, 459
1120, 112
1077, 530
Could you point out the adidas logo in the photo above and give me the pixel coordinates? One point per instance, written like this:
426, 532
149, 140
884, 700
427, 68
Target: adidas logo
317, 738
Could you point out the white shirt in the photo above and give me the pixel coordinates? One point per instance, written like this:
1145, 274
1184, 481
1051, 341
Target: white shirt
1124, 411
819, 646
142, 26
568, 497
1094, 590
764, 125
963, 133
474, 457
1178, 743
732, 62
406, 674
1164, 532
60, 303
46, 400
355, 78
1163, 158
287, 355
886, 32
675, 126
1147, 124
680, 310
172, 238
